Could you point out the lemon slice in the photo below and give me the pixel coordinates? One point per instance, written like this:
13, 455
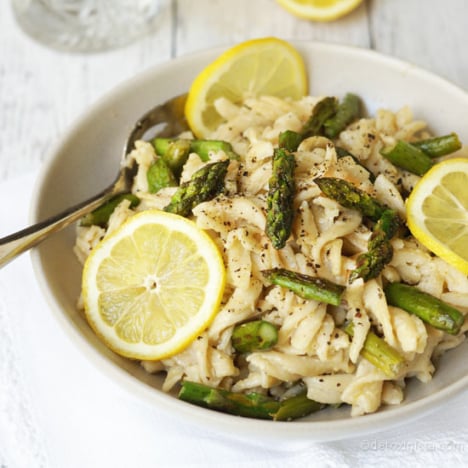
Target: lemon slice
437, 211
152, 285
266, 66
320, 10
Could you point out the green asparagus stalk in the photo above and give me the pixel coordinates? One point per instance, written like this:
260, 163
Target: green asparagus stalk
204, 147
439, 146
378, 352
280, 198
177, 150
296, 407
257, 335
379, 250
387, 226
427, 307
328, 117
100, 216
348, 111
408, 157
289, 140
161, 145
173, 152
305, 286
159, 175
349, 196
322, 111
371, 263
341, 153
205, 184
251, 405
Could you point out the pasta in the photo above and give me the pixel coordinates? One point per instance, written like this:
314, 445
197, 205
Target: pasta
325, 241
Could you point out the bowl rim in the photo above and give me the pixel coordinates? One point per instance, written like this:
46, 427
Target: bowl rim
301, 431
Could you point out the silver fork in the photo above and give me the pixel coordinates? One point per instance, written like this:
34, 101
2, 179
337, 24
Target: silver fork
169, 115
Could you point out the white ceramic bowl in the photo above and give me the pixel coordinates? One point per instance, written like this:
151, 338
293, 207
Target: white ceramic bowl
87, 159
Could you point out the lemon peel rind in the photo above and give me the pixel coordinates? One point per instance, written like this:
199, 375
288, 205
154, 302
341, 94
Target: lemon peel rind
209, 76
180, 340
415, 218
324, 15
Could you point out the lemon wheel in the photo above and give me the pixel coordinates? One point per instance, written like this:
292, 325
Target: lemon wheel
437, 211
267, 66
153, 285
320, 10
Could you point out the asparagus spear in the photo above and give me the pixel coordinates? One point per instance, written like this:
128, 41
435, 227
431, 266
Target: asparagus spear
161, 145
427, 307
439, 146
297, 407
307, 287
173, 152
205, 184
408, 157
280, 198
371, 263
177, 150
204, 147
327, 118
257, 335
349, 196
159, 175
348, 111
251, 405
321, 112
387, 226
379, 251
378, 352
290, 140
341, 153
100, 216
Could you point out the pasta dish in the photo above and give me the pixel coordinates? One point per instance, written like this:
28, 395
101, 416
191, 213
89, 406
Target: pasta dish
322, 347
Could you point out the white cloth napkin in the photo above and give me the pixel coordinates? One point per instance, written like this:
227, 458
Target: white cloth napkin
57, 410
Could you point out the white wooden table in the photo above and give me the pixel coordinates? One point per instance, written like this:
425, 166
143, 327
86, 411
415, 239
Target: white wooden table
43, 91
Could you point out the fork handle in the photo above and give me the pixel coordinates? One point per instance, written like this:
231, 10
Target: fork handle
15, 244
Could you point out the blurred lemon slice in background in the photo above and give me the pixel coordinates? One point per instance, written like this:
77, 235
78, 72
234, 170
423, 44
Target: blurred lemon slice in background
320, 10
437, 211
266, 66
153, 285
